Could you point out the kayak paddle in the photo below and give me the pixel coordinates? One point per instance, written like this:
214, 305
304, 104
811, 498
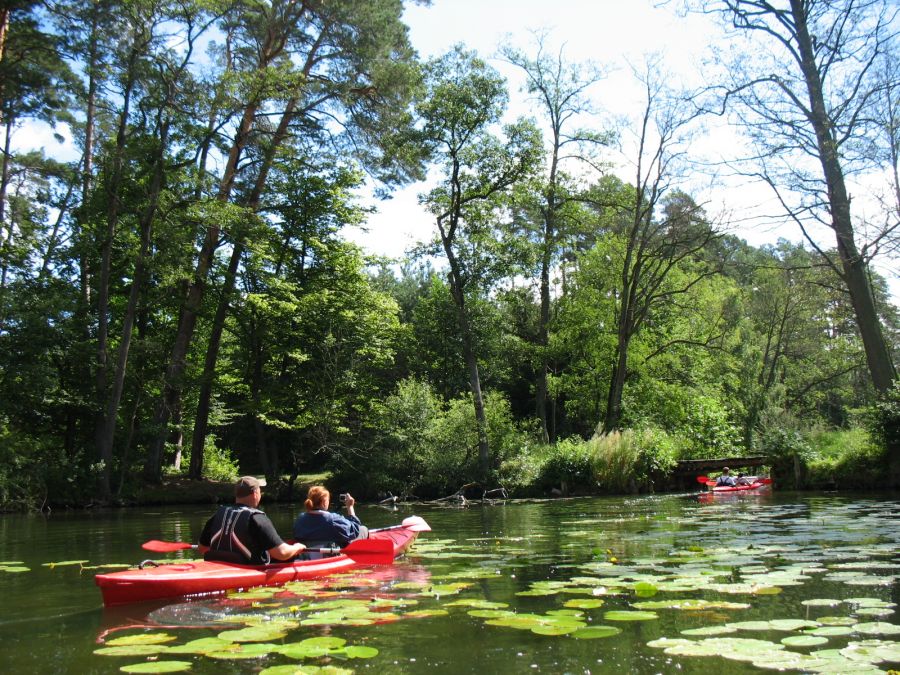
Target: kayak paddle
364, 551
414, 523
702, 479
158, 546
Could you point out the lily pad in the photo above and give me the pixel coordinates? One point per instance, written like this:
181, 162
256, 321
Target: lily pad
14, 569
710, 630
157, 667
595, 632
877, 628
804, 640
131, 650
201, 646
831, 631
584, 603
64, 563
630, 615
821, 602
142, 639
262, 633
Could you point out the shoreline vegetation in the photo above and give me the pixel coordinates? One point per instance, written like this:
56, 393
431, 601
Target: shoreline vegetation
180, 295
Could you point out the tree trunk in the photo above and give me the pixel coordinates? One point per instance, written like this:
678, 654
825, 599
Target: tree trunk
115, 397
856, 277
617, 384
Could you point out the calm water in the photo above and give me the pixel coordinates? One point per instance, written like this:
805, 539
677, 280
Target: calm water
761, 555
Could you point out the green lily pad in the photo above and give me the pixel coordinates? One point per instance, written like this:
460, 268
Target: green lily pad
595, 632
831, 631
791, 624
689, 604
142, 639
14, 569
751, 625
476, 603
490, 613
804, 640
360, 652
836, 620
821, 602
201, 646
131, 650
710, 630
426, 613
64, 563
262, 633
254, 650
584, 603
873, 611
630, 615
877, 628
157, 667
644, 589
312, 647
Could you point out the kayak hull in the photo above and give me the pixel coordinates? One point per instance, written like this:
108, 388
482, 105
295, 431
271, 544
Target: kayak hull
738, 488
203, 577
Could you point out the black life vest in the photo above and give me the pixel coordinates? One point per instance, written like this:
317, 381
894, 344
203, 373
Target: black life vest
231, 540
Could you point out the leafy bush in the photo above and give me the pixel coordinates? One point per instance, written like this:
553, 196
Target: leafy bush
632, 460
845, 459
426, 447
884, 421
218, 463
569, 467
707, 430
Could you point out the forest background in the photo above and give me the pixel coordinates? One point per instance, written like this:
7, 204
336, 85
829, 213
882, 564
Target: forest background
181, 299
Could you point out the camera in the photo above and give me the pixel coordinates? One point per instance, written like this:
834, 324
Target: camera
343, 497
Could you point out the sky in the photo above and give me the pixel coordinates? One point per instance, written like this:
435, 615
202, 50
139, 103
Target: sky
614, 34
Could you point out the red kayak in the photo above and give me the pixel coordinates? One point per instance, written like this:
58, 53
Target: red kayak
201, 577
756, 485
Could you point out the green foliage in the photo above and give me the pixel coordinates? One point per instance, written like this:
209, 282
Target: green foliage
632, 460
218, 463
844, 459
884, 420
427, 447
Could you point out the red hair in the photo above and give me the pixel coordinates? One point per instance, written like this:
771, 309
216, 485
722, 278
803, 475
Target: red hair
316, 498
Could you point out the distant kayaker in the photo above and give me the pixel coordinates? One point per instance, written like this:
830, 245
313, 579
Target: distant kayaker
726, 479
241, 533
318, 527
743, 480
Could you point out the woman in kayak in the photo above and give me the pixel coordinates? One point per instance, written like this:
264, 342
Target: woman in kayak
319, 528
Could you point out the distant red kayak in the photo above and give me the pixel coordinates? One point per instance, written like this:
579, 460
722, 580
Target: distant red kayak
756, 485
201, 577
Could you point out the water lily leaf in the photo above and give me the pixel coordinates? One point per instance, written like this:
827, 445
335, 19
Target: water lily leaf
751, 625
262, 633
877, 628
831, 631
64, 563
245, 651
869, 602
360, 652
14, 569
689, 605
202, 646
873, 651
821, 602
644, 589
312, 647
874, 611
302, 669
157, 667
426, 613
804, 640
490, 613
595, 632
12, 562
476, 603
836, 620
131, 650
584, 603
445, 589
142, 639
710, 630
630, 615
791, 624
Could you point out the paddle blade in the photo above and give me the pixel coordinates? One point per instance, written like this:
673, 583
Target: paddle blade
702, 479
158, 546
764, 481
416, 524
370, 551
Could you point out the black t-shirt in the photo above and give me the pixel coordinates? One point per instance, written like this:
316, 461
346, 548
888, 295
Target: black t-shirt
259, 536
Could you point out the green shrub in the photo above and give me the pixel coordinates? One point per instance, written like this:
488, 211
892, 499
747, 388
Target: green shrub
569, 467
428, 448
884, 421
706, 430
218, 463
633, 460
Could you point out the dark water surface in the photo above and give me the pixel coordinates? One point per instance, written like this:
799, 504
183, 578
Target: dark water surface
757, 557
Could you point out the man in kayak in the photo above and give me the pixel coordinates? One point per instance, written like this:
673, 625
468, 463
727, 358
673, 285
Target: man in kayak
318, 527
241, 533
726, 479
